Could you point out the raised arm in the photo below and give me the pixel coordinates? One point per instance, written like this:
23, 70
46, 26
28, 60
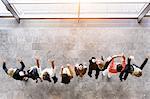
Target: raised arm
111, 68
123, 62
116, 56
4, 67
102, 58
129, 61
144, 63
52, 63
22, 64
37, 63
109, 60
61, 71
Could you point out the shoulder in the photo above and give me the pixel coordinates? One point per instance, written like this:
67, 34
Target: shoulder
84, 66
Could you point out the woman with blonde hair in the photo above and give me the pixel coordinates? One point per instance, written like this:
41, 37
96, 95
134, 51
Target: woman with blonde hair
16, 73
132, 69
67, 74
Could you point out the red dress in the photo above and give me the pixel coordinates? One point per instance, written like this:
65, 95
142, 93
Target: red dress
113, 68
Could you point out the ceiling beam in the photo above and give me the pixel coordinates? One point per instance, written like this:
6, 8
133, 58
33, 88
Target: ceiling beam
10, 8
143, 12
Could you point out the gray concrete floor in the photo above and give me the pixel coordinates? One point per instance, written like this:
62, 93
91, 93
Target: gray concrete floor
68, 41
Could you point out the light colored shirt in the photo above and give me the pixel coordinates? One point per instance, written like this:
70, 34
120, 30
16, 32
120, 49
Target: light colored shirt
35, 67
50, 71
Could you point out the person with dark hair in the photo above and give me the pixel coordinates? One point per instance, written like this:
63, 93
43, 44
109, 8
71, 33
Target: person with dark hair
93, 66
66, 74
49, 73
113, 67
133, 69
80, 70
99, 64
16, 73
34, 72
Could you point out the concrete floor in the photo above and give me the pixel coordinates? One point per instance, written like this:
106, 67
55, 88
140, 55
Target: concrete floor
68, 41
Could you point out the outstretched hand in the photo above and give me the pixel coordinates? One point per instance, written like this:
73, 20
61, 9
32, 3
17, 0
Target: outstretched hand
148, 56
4, 60
68, 65
119, 55
19, 59
37, 57
122, 54
131, 57
50, 61
62, 67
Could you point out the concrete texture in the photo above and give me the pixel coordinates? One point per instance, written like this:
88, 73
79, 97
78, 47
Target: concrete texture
68, 41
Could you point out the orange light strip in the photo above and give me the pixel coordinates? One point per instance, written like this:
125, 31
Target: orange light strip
78, 11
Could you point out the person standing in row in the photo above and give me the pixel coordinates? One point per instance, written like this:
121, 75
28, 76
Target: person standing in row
16, 73
100, 64
113, 67
49, 73
132, 69
66, 73
34, 71
80, 70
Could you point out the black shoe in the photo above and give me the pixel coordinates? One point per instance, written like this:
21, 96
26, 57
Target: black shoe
96, 77
36, 81
41, 80
26, 79
55, 79
108, 79
89, 74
